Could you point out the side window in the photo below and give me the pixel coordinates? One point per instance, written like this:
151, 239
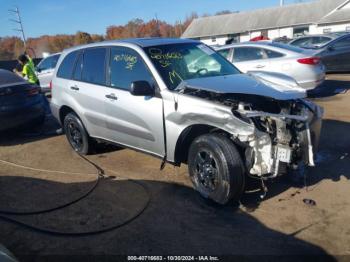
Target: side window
66, 67
127, 66
94, 66
242, 54
54, 61
345, 42
224, 52
78, 68
320, 40
273, 54
305, 41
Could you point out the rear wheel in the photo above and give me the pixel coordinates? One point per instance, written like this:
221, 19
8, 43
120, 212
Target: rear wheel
76, 134
216, 168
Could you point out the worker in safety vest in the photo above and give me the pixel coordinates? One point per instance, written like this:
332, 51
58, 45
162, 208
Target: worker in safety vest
28, 70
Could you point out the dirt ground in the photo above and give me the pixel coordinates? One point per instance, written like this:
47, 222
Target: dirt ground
158, 213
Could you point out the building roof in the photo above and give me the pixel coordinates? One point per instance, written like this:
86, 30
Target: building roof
340, 15
268, 18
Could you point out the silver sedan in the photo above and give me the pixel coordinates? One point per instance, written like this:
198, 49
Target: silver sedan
300, 64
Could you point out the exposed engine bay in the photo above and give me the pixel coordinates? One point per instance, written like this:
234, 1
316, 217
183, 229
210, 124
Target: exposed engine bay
286, 131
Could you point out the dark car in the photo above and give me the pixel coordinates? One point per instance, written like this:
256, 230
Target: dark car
335, 54
21, 103
312, 41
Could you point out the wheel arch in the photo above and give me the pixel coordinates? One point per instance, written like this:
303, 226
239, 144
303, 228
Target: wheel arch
188, 135
64, 111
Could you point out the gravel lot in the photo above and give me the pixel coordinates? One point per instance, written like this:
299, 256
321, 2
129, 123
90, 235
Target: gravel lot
175, 220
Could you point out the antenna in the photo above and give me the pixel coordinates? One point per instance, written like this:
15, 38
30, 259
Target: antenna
19, 22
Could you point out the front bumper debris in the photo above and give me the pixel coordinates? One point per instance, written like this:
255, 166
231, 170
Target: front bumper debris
271, 155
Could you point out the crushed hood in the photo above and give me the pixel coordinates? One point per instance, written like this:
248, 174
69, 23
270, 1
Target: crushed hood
274, 85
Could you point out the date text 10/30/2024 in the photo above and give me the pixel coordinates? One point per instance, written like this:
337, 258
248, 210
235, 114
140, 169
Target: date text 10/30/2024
173, 258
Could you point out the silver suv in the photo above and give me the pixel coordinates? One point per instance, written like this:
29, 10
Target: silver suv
181, 101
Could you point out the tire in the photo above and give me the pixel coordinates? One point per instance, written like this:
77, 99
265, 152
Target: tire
216, 168
76, 134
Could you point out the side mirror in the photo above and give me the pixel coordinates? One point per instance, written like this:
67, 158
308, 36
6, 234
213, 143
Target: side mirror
38, 69
141, 88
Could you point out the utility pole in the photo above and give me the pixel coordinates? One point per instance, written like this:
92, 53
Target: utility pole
281, 2
158, 27
19, 22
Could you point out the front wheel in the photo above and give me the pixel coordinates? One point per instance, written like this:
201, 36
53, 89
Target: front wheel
216, 168
76, 134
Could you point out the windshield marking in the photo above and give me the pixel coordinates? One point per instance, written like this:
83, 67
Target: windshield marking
164, 59
173, 76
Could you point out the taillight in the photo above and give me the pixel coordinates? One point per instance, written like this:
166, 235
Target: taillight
309, 61
50, 85
33, 91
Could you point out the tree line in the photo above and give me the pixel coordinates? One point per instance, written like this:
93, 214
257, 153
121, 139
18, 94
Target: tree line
12, 47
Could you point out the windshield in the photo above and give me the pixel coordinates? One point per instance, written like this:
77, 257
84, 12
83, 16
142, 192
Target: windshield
178, 62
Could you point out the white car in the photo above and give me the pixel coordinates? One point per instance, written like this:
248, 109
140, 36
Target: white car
300, 64
45, 69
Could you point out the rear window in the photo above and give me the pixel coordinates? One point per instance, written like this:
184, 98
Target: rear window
287, 47
8, 78
48, 63
66, 67
94, 65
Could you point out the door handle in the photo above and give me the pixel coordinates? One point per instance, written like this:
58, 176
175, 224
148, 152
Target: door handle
260, 66
75, 88
112, 97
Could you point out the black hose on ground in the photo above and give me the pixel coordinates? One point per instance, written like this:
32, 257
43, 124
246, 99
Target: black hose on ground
5, 214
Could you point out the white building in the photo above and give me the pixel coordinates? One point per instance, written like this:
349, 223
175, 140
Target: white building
317, 17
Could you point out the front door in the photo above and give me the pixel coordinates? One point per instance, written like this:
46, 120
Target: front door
133, 121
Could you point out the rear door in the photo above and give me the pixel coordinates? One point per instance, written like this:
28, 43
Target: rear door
133, 121
277, 62
250, 59
87, 88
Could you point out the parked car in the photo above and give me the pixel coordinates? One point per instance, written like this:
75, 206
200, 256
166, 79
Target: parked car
335, 55
144, 94
20, 102
295, 62
311, 41
45, 69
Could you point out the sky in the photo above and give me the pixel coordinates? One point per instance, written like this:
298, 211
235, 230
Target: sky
51, 17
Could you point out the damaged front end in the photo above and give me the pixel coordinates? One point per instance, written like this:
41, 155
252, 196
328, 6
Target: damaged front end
285, 133
284, 139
